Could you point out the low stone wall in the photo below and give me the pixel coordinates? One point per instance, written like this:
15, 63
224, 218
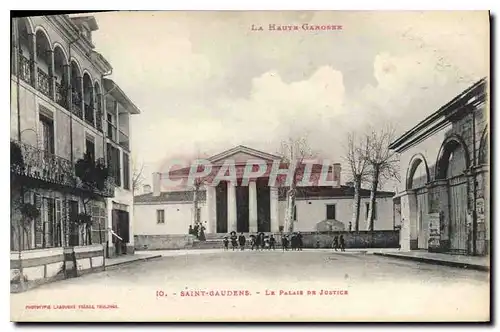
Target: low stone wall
361, 239
165, 242
40, 266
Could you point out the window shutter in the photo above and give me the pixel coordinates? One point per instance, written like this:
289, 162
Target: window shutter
38, 222
58, 223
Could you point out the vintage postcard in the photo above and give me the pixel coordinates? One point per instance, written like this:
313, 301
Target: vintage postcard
250, 166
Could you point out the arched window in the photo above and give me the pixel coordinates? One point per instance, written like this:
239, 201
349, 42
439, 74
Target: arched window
484, 150
60, 76
76, 90
88, 98
26, 53
453, 158
418, 173
44, 63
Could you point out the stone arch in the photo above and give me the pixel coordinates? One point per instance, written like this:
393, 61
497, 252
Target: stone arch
41, 30
415, 161
483, 156
450, 145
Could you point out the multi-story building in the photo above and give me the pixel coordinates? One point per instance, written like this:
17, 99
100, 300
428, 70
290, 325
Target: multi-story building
62, 108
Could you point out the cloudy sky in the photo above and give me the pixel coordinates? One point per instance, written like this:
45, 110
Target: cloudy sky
206, 82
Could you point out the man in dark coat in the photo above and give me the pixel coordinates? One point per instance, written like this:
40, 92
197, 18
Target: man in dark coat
272, 242
241, 241
253, 241
293, 242
284, 242
190, 232
300, 244
335, 244
342, 243
234, 240
261, 240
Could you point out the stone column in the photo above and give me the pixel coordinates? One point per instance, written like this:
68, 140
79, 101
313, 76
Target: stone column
33, 63
231, 207
274, 209
52, 75
211, 209
408, 234
252, 206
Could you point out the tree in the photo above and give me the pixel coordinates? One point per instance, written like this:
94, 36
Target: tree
383, 163
294, 151
356, 150
137, 176
94, 177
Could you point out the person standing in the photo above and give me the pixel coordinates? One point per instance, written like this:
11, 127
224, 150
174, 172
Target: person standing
335, 244
253, 241
226, 243
342, 243
196, 230
272, 242
350, 226
190, 232
234, 240
262, 240
284, 242
242, 240
300, 243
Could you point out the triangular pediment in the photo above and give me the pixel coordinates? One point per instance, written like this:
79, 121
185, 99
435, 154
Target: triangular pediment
241, 154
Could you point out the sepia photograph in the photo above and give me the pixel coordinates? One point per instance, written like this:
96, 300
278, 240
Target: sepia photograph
250, 166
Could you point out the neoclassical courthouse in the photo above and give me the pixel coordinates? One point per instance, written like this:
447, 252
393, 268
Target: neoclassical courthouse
256, 207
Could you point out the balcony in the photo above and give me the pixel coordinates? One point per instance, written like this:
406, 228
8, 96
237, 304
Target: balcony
25, 69
76, 104
61, 95
30, 162
43, 83
123, 140
89, 114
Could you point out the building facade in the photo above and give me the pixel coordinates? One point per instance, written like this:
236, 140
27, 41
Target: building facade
443, 205
254, 207
62, 109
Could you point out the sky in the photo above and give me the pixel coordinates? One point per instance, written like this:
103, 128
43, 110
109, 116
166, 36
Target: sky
205, 82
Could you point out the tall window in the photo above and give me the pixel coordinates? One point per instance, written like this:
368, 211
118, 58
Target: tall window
126, 172
48, 225
90, 147
374, 210
47, 134
160, 216
98, 223
330, 211
114, 163
295, 213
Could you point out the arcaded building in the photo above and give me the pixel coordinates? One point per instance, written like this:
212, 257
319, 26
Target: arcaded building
443, 204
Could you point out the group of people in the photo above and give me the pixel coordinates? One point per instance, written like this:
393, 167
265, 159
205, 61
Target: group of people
262, 241
198, 230
339, 243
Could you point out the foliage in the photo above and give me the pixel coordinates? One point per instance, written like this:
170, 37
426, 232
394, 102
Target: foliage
83, 219
93, 174
16, 155
29, 211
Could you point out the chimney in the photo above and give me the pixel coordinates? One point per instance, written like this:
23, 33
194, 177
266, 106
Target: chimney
156, 184
146, 189
337, 169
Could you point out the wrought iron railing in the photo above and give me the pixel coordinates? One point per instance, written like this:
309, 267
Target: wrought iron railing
61, 95
76, 102
24, 70
41, 165
43, 83
89, 114
123, 140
